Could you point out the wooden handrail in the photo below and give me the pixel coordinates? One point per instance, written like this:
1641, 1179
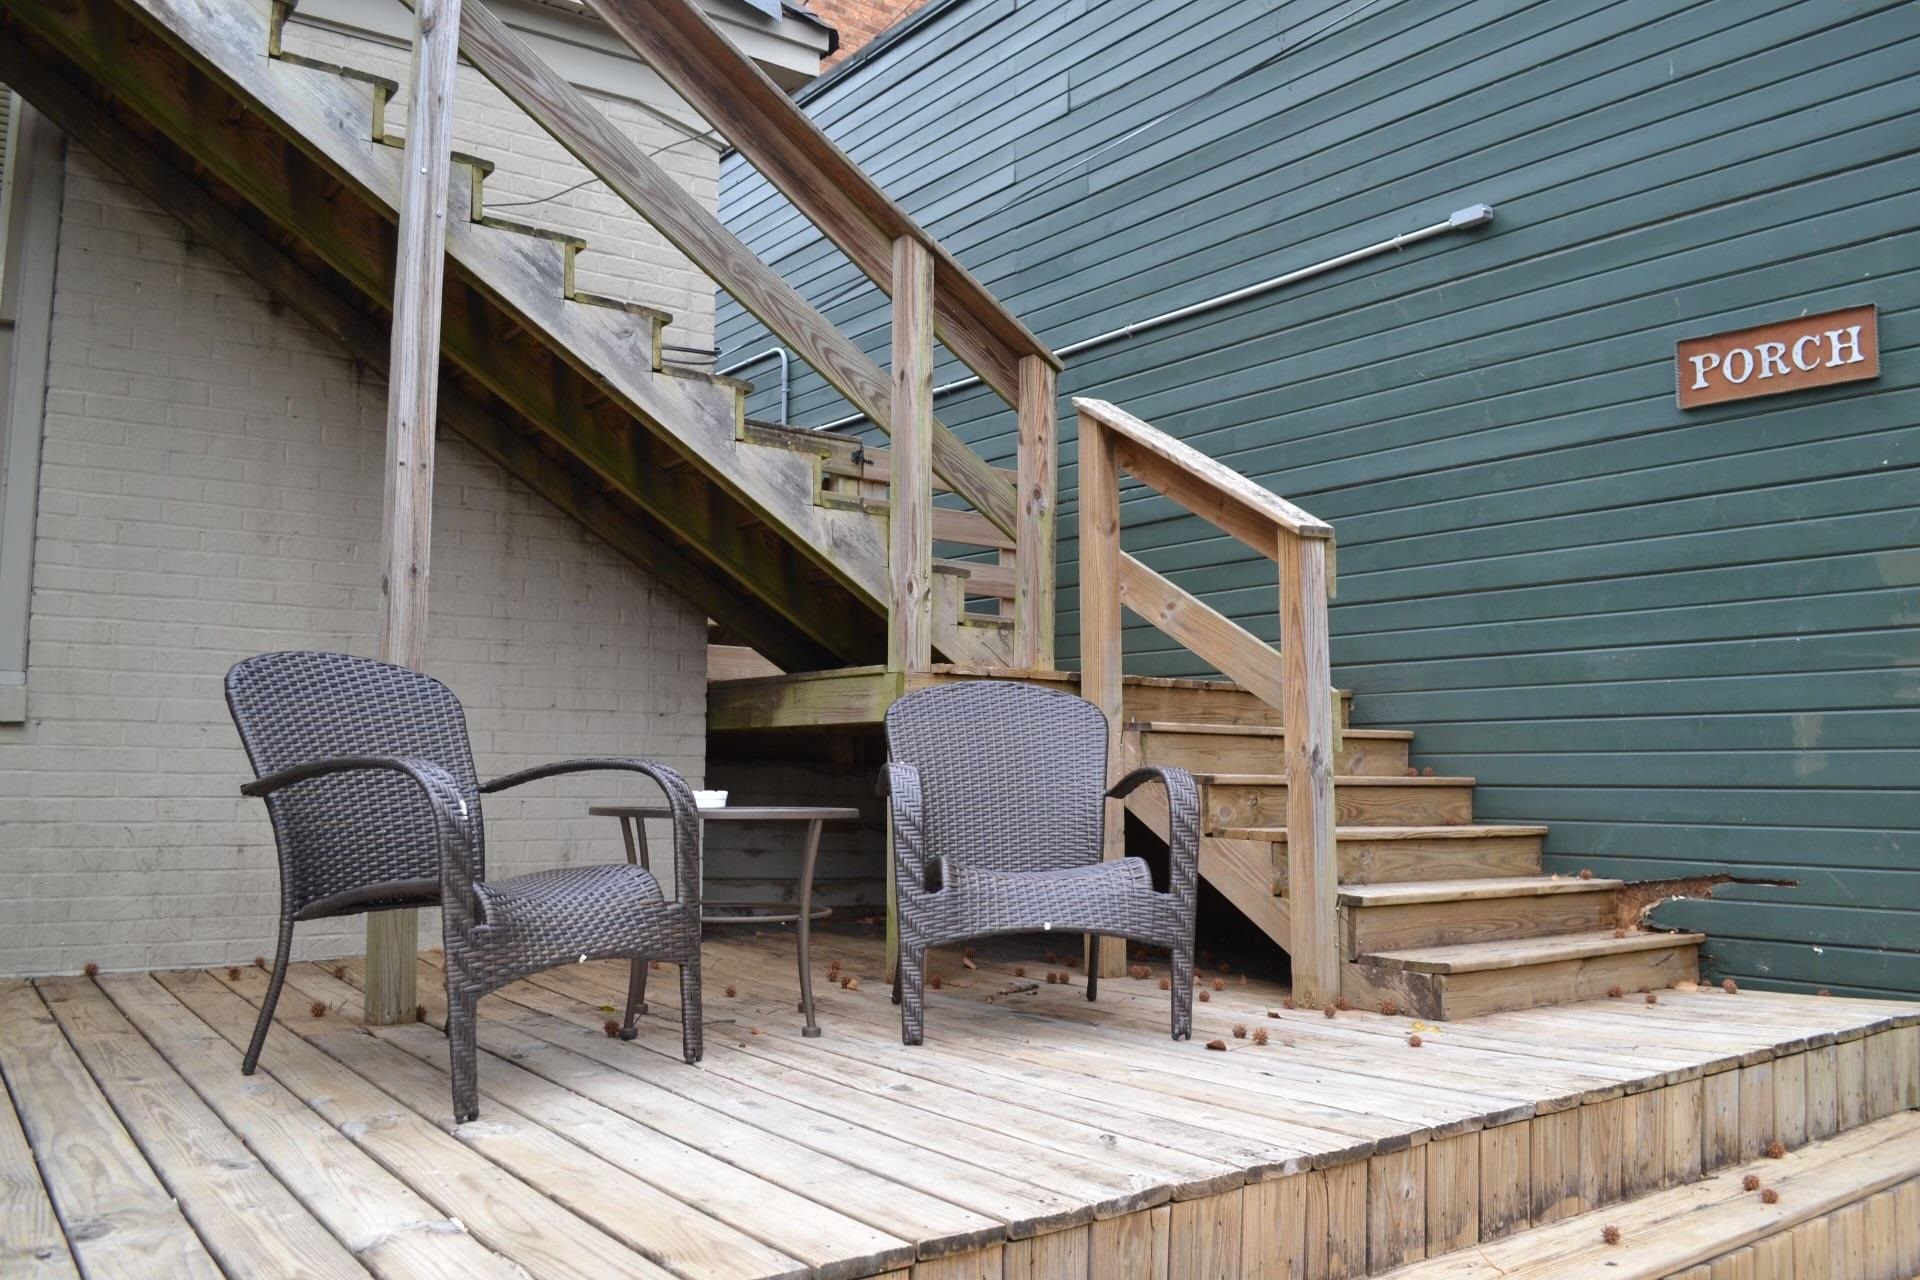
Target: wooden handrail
683, 46
550, 101
1214, 492
1297, 680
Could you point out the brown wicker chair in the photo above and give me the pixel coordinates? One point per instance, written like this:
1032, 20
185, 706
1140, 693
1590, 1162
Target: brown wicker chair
369, 781
998, 793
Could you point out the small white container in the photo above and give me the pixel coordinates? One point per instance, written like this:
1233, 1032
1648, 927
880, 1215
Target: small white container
710, 799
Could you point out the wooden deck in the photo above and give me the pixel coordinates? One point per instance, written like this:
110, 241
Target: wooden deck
1034, 1134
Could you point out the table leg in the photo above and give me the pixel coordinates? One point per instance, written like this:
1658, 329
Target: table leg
805, 927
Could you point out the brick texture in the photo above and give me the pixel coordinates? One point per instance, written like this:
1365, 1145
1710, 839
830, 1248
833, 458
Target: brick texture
859, 21
211, 488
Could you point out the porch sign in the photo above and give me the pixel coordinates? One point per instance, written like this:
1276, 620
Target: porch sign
1786, 355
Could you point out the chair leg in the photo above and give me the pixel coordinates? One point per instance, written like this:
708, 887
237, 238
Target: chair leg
1183, 992
461, 1010
636, 995
692, 1040
1092, 955
280, 956
910, 982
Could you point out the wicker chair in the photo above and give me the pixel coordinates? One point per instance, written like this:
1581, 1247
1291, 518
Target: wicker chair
369, 780
998, 797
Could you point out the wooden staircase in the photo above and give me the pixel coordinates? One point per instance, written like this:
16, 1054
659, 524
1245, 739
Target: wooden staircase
290, 166
1441, 916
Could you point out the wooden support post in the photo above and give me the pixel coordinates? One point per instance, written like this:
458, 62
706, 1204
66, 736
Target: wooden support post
413, 386
1033, 533
910, 490
1312, 867
1100, 673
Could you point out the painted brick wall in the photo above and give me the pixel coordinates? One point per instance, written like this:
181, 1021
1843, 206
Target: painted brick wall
211, 488
859, 21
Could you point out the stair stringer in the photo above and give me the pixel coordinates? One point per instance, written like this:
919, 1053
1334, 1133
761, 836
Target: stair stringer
326, 116
1239, 869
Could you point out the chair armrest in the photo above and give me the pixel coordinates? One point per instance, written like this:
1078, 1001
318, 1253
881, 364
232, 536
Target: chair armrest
1183, 821
452, 817
686, 817
913, 869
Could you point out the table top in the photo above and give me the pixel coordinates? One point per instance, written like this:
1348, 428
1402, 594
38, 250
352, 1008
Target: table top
731, 813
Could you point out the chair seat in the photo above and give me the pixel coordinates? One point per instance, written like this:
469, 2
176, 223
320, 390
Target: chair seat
1063, 897
565, 899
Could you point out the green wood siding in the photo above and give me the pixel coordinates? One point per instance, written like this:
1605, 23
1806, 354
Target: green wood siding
1686, 640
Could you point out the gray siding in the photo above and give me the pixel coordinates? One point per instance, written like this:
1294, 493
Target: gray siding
1684, 640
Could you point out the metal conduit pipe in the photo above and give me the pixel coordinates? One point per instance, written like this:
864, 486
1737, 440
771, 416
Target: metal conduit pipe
1474, 215
756, 358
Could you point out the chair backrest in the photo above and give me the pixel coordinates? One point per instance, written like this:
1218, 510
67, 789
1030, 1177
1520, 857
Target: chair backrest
1011, 775
342, 833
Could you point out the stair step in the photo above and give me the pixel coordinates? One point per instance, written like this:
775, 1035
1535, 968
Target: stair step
1228, 748
1238, 800
1480, 957
1408, 893
1715, 1227
1390, 855
1396, 918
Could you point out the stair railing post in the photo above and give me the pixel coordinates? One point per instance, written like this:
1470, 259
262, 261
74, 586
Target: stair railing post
413, 388
1100, 649
910, 490
1312, 858
910, 493
1038, 483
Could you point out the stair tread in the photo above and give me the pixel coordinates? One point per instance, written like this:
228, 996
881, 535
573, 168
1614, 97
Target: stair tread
1478, 957
1464, 831
1407, 892
1340, 780
1667, 1232
1258, 730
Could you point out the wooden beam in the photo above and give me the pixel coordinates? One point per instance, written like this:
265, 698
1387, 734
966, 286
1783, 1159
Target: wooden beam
1234, 651
365, 339
1100, 650
1312, 860
1033, 599
690, 54
413, 395
1233, 503
910, 491
574, 122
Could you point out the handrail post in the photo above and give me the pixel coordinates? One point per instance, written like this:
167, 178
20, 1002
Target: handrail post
1312, 857
413, 385
910, 490
1033, 591
1100, 675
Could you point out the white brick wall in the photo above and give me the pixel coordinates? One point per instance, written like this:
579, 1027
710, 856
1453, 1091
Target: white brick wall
626, 257
211, 489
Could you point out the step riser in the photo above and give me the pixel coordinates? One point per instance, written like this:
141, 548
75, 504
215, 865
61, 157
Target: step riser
1224, 753
1263, 805
1398, 861
1433, 924
1469, 995
1450, 996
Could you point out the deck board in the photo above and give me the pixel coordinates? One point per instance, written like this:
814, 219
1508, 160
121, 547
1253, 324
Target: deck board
1034, 1134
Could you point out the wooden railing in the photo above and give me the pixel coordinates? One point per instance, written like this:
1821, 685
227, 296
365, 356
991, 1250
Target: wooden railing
934, 298
1296, 679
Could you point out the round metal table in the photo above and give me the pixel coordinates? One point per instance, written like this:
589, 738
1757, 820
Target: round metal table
633, 829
